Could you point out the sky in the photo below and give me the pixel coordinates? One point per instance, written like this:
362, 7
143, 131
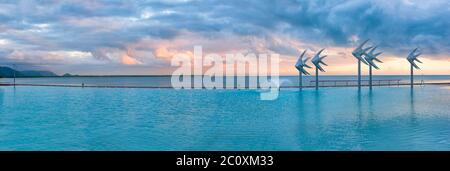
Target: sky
131, 37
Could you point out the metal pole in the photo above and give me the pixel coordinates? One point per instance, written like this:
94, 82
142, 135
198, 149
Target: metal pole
317, 78
370, 76
412, 76
359, 73
300, 81
14, 74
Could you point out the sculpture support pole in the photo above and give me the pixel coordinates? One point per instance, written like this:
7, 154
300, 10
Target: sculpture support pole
14, 79
300, 81
370, 76
317, 78
412, 76
14, 73
359, 73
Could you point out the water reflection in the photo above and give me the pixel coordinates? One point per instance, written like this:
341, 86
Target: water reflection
2, 94
412, 105
370, 105
371, 109
359, 111
302, 127
317, 106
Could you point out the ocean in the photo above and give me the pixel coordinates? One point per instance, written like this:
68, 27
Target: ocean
164, 81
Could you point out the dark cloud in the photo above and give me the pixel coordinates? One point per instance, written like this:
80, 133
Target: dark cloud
394, 25
81, 25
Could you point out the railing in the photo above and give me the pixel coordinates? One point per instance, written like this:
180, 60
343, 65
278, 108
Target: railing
337, 83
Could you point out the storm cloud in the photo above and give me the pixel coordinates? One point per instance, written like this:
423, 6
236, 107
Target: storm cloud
128, 32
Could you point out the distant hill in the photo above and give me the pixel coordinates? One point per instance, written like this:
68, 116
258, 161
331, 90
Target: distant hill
38, 74
9, 72
69, 75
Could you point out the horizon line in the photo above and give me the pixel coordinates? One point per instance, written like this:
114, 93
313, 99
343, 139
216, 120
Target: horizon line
164, 75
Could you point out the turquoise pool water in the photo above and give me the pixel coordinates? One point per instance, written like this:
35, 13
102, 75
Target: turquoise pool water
386, 118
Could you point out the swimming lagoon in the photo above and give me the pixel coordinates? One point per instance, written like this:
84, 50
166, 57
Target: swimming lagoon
75, 118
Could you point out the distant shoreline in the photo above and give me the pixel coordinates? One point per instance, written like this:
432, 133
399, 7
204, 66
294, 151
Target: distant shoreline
235, 88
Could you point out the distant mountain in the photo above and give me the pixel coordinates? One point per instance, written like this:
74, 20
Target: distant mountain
68, 75
9, 72
38, 74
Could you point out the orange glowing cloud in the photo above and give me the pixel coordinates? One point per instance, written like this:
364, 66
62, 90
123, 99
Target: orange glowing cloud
164, 52
127, 60
340, 59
